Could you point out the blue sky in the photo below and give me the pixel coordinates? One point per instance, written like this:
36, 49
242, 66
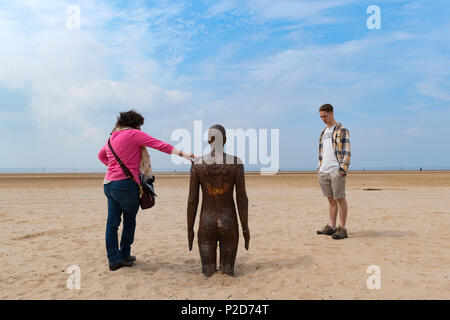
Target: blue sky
244, 64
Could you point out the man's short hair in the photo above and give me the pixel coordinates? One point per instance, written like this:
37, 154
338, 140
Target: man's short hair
326, 107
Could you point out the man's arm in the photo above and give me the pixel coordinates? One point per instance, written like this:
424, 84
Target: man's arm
242, 203
192, 204
346, 154
319, 163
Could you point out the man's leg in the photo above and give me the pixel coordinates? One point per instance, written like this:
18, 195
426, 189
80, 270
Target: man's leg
341, 232
333, 211
327, 191
343, 208
338, 183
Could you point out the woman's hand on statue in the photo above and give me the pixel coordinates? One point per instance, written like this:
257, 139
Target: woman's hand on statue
190, 156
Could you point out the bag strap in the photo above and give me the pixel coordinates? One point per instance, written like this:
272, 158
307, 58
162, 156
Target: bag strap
125, 169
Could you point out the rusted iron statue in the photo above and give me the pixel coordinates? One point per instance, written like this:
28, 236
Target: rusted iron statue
217, 173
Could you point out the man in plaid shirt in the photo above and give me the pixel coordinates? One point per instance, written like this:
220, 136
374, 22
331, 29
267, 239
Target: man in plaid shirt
334, 160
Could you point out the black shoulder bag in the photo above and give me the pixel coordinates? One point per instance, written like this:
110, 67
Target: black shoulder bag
146, 189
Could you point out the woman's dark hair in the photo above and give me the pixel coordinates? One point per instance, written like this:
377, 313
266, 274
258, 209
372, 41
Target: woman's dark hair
130, 119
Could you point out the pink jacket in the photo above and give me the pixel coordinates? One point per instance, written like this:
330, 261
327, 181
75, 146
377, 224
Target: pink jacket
128, 145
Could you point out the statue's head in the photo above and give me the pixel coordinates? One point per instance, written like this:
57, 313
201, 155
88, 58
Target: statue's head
216, 135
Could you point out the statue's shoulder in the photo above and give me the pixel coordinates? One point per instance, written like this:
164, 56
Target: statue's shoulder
230, 159
207, 158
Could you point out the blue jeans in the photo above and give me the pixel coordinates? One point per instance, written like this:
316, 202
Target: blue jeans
123, 197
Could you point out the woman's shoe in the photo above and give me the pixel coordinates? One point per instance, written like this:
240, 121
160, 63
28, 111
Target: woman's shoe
130, 259
113, 267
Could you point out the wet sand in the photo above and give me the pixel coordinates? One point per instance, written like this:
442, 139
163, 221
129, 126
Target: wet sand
50, 222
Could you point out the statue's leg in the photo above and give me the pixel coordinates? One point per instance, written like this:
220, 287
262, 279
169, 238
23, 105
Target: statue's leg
207, 245
228, 249
208, 255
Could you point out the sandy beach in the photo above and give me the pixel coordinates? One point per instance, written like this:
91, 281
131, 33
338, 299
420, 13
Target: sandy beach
50, 222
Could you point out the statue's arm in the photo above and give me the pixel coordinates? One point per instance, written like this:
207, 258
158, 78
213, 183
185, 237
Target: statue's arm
242, 202
194, 185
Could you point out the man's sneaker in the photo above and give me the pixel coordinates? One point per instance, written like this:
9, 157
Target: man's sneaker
328, 230
341, 233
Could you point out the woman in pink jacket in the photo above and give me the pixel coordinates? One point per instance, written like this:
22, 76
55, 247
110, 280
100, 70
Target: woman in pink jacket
122, 193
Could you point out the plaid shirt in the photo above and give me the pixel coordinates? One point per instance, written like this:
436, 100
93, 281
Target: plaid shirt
340, 140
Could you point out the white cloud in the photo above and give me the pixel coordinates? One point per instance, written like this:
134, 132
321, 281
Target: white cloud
437, 88
292, 10
87, 104
68, 72
282, 9
221, 7
413, 131
130, 57
308, 77
414, 106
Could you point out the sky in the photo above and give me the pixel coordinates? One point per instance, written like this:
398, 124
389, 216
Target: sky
244, 64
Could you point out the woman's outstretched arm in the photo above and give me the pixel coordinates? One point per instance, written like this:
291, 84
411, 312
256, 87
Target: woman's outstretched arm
148, 141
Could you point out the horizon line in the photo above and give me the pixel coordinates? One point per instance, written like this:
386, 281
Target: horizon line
11, 171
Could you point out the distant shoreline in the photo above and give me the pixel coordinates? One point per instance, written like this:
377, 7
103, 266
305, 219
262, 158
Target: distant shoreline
186, 173
46, 171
